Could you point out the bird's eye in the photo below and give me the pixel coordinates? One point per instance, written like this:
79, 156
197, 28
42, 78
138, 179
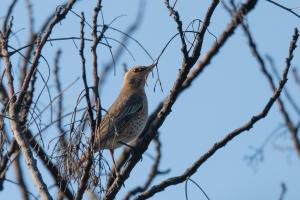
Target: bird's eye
138, 69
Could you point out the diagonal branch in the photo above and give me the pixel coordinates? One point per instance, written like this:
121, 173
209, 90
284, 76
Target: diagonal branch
200, 36
288, 121
59, 16
230, 136
159, 116
197, 47
283, 191
236, 20
177, 20
283, 7
153, 172
124, 41
20, 178
285, 91
54, 171
8, 14
15, 123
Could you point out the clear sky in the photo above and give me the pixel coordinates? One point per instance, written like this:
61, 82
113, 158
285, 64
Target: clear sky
225, 96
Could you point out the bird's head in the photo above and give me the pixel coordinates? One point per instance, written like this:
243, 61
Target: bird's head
135, 78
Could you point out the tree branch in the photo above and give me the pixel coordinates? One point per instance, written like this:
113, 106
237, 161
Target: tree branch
96, 40
7, 16
20, 178
193, 168
153, 172
290, 125
158, 117
15, 123
283, 7
177, 20
59, 16
124, 41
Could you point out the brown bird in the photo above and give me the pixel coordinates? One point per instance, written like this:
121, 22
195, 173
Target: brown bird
127, 116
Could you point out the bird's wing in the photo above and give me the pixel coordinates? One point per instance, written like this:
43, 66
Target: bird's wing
115, 121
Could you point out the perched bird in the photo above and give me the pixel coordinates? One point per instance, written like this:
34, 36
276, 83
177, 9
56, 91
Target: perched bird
127, 116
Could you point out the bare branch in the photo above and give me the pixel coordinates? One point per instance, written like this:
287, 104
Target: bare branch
32, 38
177, 20
290, 125
153, 172
59, 16
84, 179
30, 16
5, 160
89, 153
203, 28
125, 40
29, 159
59, 91
198, 186
285, 8
28, 192
96, 40
283, 191
15, 125
235, 21
60, 182
8, 70
158, 117
285, 91
7, 16
76, 166
296, 76
20, 178
230, 136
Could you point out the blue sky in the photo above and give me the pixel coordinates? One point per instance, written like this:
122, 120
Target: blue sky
222, 98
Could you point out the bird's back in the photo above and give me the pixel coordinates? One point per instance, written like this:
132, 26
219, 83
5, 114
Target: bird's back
124, 120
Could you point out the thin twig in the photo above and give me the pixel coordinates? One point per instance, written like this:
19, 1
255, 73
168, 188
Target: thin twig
177, 20
59, 91
124, 41
285, 91
198, 186
229, 137
237, 18
20, 178
7, 16
163, 110
96, 40
59, 16
283, 191
30, 193
285, 8
153, 172
15, 125
288, 121
89, 162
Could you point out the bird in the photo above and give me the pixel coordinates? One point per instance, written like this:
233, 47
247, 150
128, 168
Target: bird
127, 116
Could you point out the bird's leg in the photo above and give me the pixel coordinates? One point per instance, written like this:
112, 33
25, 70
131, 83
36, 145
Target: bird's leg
132, 148
111, 151
127, 145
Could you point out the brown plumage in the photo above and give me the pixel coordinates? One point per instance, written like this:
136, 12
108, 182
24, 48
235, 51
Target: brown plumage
127, 116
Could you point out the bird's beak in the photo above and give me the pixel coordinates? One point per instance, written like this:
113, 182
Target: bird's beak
150, 67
